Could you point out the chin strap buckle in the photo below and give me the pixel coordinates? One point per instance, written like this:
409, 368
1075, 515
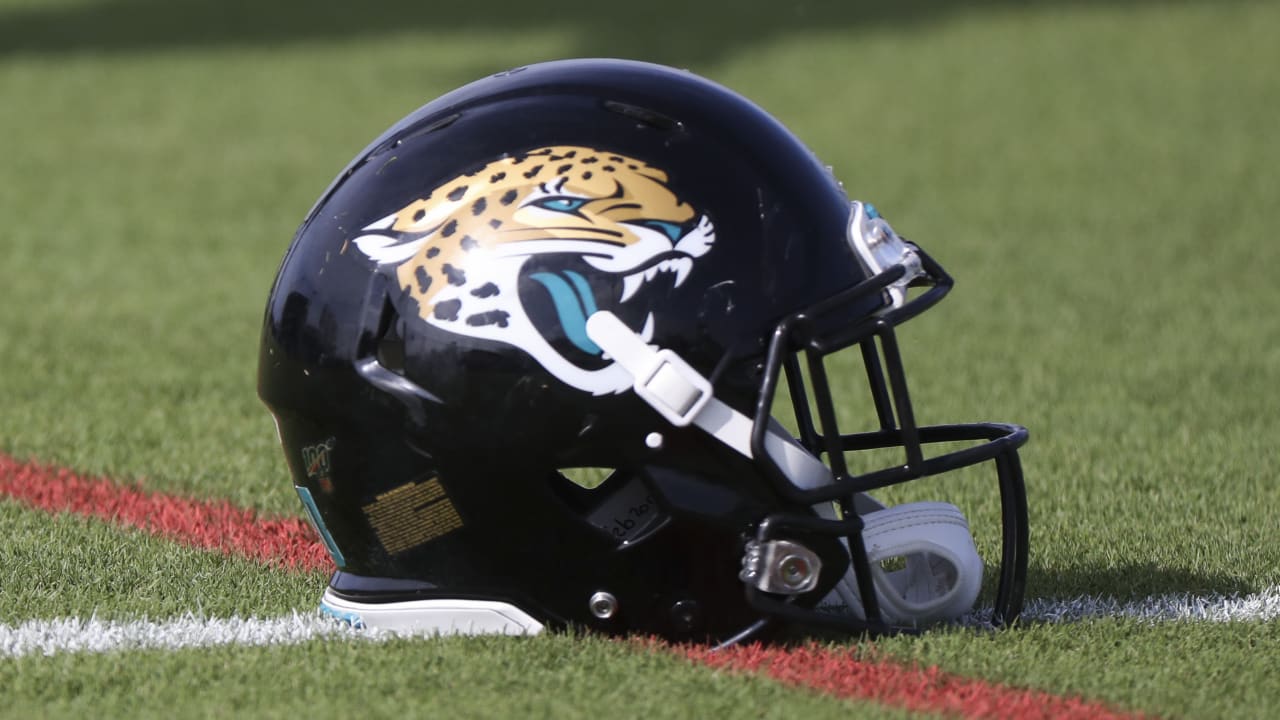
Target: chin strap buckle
780, 566
673, 388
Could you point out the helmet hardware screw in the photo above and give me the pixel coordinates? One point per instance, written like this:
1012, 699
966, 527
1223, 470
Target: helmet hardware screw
795, 571
780, 566
603, 605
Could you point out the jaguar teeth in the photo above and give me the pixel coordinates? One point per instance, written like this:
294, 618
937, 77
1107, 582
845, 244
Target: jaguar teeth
680, 266
646, 334
630, 284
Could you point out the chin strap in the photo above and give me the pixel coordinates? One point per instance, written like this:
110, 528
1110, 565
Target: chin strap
684, 397
942, 572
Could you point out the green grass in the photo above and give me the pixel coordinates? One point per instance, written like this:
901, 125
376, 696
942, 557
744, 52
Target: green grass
1101, 178
1179, 669
548, 676
67, 566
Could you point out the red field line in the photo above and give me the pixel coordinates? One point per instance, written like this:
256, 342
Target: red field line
283, 542
842, 674
290, 543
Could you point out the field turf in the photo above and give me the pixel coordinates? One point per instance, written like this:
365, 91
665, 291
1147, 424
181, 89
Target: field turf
1103, 180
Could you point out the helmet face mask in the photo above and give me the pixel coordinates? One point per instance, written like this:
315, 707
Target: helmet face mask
798, 357
612, 265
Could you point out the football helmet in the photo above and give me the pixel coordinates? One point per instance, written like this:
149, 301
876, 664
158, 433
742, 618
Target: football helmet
618, 266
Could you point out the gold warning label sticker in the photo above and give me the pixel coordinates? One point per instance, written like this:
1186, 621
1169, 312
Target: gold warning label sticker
411, 515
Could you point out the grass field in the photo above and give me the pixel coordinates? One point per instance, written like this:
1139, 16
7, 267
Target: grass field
1103, 180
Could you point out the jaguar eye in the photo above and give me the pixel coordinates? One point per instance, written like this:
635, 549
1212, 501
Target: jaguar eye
561, 204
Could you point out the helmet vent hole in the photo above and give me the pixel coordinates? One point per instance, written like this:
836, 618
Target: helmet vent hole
391, 353
390, 343
587, 478
411, 133
644, 115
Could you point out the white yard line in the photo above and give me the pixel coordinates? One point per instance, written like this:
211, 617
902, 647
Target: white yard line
1214, 608
47, 637
1256, 607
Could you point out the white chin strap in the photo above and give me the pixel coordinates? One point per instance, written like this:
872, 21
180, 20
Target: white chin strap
941, 571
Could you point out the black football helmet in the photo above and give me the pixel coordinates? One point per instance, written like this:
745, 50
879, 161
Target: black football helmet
620, 266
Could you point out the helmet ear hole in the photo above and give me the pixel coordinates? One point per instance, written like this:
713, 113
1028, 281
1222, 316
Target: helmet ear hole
615, 502
588, 478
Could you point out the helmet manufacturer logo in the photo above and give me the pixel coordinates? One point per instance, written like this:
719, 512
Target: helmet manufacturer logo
525, 249
316, 460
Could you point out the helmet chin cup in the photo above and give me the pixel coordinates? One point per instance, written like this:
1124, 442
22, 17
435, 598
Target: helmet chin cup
937, 574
